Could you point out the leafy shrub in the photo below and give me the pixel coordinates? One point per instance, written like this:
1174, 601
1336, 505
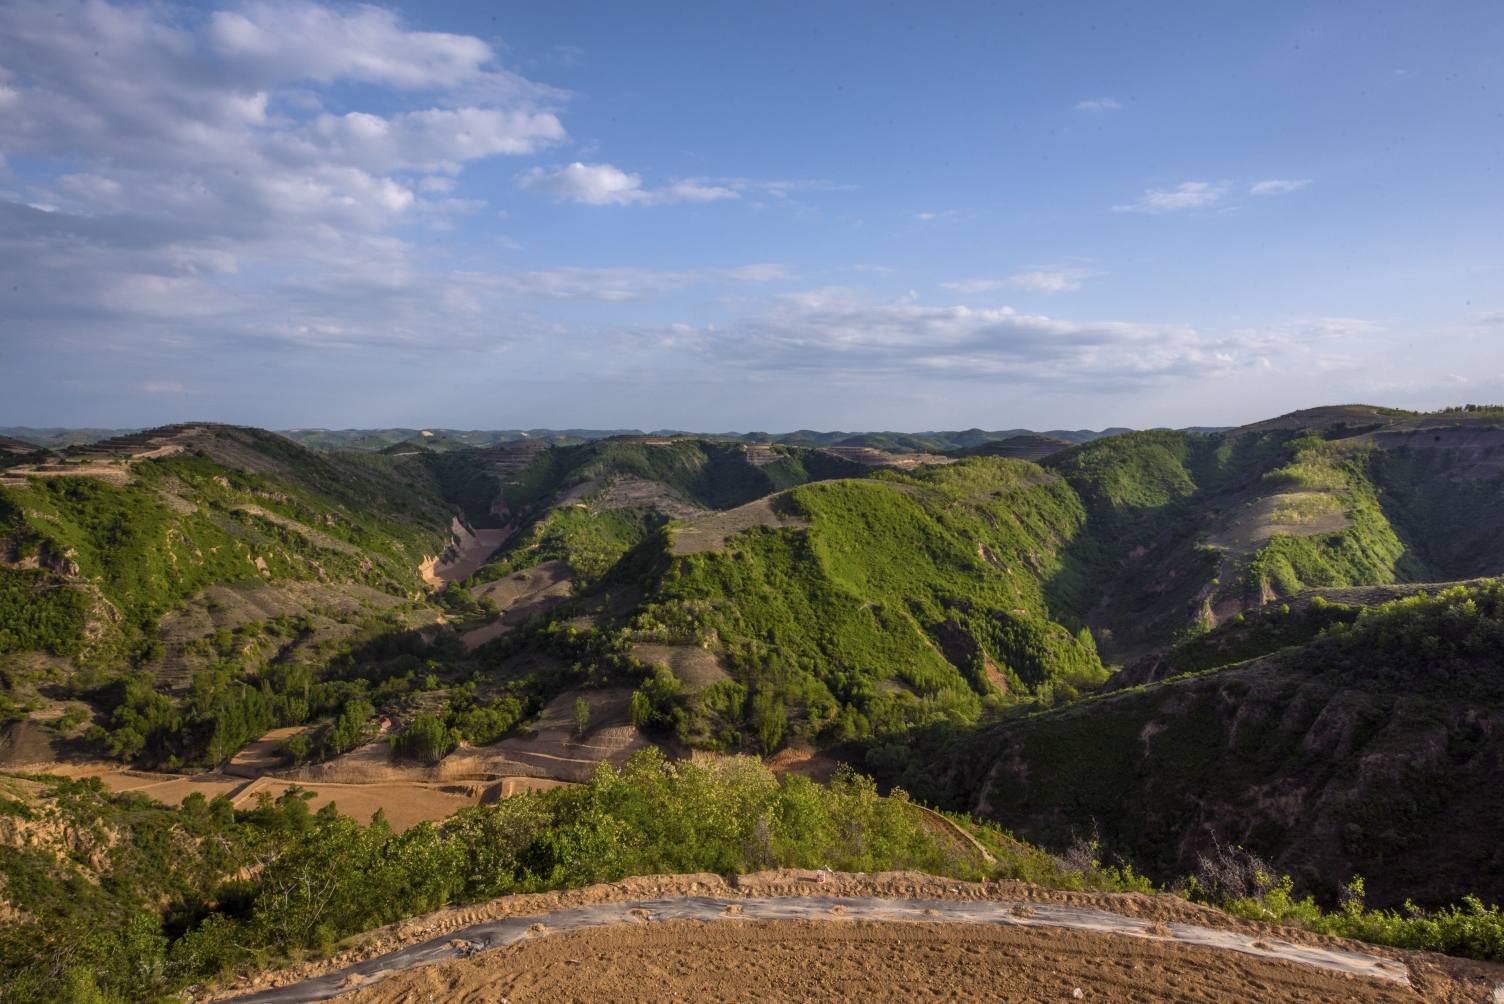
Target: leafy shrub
298, 747
426, 740
1470, 930
479, 725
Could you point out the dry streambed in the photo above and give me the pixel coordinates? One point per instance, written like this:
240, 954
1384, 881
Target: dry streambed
785, 935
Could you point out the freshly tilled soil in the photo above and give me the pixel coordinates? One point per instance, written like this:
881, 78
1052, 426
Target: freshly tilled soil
780, 961
673, 961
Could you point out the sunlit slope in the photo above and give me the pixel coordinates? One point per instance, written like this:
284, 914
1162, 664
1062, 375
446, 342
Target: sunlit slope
1186, 531
1371, 749
94, 563
903, 599
590, 504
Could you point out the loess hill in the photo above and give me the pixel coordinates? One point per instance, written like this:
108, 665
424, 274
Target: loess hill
1161, 641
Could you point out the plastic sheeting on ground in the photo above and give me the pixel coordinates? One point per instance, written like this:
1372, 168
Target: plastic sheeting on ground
509, 931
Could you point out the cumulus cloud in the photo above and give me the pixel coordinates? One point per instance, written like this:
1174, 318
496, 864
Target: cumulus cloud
1045, 279
1189, 195
1097, 105
168, 148
602, 184
1276, 186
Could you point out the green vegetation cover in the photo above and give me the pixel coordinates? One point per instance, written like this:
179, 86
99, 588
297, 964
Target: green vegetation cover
975, 633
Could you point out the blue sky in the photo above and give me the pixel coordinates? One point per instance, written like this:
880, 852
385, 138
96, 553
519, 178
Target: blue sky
858, 216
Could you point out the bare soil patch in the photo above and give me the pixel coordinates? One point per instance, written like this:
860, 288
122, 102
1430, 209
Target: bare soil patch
405, 805
877, 458
261, 756
860, 961
465, 554
27, 742
806, 763
824, 960
1250, 524
169, 789
549, 749
709, 533
624, 490
520, 595
692, 665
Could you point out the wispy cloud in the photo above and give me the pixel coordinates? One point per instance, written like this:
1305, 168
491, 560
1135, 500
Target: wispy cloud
603, 184
1189, 195
1044, 279
1097, 105
1275, 186
833, 330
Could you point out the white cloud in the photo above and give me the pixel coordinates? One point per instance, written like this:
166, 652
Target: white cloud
1052, 280
695, 190
1044, 279
1276, 186
211, 130
964, 286
271, 43
1097, 104
618, 284
597, 184
833, 331
170, 150
602, 184
1189, 195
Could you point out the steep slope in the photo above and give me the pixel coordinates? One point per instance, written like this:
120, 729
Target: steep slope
1373, 749
864, 604
191, 585
1184, 531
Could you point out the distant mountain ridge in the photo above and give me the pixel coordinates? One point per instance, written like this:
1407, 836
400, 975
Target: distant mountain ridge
373, 440
435, 437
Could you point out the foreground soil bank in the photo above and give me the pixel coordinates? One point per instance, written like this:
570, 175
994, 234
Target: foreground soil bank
779, 960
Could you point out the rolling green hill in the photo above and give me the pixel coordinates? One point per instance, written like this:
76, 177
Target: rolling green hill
874, 612
1172, 643
195, 594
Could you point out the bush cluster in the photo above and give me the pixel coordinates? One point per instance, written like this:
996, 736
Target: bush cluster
245, 889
